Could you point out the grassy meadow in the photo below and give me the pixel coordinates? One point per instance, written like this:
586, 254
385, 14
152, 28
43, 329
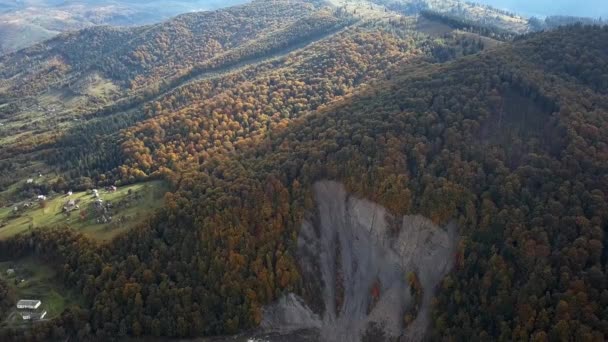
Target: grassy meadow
130, 205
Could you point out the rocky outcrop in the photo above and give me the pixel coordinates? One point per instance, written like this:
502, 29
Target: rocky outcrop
369, 293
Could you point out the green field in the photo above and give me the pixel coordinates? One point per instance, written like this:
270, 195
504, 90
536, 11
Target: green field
34, 280
131, 204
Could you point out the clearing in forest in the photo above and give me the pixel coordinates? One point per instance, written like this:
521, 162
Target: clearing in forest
30, 278
102, 216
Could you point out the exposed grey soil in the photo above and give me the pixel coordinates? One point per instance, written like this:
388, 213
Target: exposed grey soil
371, 254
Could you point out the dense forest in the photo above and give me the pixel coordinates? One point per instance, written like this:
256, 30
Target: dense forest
83, 120
136, 56
509, 143
219, 114
462, 13
503, 142
461, 23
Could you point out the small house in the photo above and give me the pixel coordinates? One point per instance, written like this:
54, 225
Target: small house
70, 193
41, 198
70, 206
111, 188
32, 315
10, 272
31, 304
30, 181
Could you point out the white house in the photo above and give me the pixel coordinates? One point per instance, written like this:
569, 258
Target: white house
30, 181
31, 316
41, 198
31, 304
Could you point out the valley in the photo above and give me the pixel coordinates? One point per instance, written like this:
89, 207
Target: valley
309, 170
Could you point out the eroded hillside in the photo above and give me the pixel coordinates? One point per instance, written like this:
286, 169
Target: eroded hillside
365, 271
507, 144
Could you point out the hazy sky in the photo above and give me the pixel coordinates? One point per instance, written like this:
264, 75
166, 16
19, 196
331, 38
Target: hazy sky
584, 8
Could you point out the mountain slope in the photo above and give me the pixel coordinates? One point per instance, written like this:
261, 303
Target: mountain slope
48, 90
150, 52
528, 206
506, 144
72, 120
472, 12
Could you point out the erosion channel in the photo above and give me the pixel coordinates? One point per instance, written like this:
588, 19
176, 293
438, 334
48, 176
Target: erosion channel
359, 263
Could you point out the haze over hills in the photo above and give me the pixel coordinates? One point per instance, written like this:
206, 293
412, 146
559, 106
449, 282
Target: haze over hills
330, 171
24, 23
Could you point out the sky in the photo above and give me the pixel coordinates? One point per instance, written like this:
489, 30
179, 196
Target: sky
582, 8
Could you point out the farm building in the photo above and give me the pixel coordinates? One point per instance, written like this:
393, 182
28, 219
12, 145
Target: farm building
32, 315
32, 304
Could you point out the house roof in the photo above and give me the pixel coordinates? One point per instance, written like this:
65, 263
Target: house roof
28, 302
33, 315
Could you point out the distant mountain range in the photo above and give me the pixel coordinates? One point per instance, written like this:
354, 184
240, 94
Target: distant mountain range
23, 23
27, 22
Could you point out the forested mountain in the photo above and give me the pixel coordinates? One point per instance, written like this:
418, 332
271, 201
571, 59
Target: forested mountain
468, 11
131, 57
103, 71
243, 111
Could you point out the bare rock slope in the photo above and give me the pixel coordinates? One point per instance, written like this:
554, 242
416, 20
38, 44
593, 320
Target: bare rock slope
358, 256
